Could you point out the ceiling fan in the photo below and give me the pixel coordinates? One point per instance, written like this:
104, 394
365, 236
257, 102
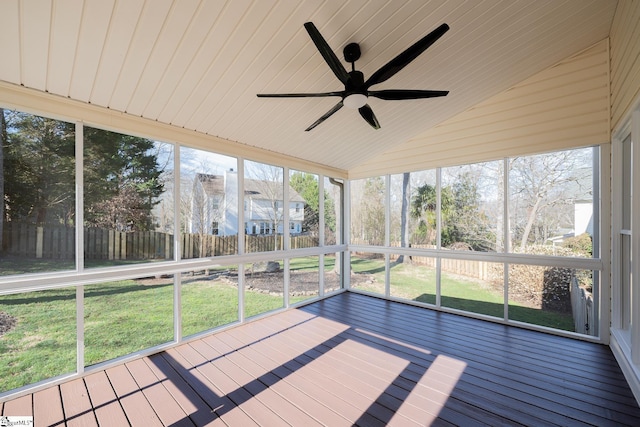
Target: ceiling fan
356, 89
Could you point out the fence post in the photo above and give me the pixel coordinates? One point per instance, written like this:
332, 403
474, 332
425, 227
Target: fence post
39, 241
112, 240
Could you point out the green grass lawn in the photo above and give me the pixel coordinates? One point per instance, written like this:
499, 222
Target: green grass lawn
43, 343
418, 283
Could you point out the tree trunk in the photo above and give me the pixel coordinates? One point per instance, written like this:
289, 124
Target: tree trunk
404, 216
530, 220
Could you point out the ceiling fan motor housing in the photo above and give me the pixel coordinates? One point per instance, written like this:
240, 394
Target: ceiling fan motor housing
351, 52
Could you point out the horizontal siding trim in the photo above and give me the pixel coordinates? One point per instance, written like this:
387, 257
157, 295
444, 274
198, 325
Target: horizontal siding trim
57, 107
625, 60
565, 106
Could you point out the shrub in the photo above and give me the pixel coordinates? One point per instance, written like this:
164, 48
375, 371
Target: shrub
542, 287
581, 245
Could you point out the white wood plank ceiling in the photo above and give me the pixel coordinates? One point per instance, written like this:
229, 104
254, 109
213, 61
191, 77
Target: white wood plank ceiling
199, 64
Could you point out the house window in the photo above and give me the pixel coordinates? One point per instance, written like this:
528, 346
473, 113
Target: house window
297, 207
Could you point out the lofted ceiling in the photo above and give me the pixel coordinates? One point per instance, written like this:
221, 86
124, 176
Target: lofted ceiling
198, 64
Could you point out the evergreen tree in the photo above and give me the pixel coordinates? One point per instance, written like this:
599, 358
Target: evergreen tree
121, 176
307, 186
121, 180
39, 169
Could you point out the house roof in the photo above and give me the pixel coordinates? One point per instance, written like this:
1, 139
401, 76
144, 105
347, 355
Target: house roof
257, 189
198, 65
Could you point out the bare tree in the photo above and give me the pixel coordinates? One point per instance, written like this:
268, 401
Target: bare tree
544, 190
268, 186
404, 213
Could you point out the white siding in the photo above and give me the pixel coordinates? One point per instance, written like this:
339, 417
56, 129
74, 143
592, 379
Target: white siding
625, 59
564, 106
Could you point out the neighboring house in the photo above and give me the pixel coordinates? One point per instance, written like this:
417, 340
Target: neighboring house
582, 190
214, 206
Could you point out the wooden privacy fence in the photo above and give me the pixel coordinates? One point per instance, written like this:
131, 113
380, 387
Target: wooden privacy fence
106, 244
476, 269
51, 242
582, 307
29, 241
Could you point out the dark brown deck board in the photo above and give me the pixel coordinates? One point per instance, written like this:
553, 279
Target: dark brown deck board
528, 382
351, 360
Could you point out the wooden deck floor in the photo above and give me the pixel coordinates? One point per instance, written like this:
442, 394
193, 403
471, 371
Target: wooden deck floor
351, 360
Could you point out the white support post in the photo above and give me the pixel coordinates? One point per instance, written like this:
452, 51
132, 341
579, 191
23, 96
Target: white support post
286, 232
321, 224
438, 236
321, 275
80, 329
506, 230
241, 293
79, 213
438, 281
79, 255
177, 307
241, 229
321, 241
241, 239
635, 237
286, 277
177, 248
177, 232
346, 231
387, 238
505, 280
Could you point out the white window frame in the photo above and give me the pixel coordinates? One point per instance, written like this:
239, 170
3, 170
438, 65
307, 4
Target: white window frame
599, 263
80, 276
626, 341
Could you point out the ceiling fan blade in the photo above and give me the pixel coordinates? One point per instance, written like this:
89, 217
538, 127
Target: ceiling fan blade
326, 52
325, 116
367, 113
399, 62
299, 95
399, 94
